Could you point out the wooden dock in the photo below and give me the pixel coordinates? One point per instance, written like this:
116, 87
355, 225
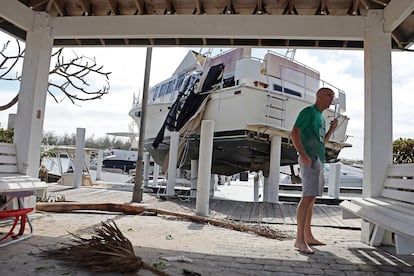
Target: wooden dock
222, 209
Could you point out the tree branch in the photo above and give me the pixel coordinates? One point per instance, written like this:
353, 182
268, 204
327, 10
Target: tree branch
66, 78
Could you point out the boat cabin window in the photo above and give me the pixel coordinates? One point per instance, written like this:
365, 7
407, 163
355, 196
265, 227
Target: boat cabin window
179, 81
171, 85
163, 89
156, 91
228, 79
279, 88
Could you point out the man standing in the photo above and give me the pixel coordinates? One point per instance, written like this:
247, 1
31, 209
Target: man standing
309, 137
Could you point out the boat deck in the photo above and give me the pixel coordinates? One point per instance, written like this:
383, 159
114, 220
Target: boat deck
222, 209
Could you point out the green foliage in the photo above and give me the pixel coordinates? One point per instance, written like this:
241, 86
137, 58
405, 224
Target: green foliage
403, 151
6, 135
51, 139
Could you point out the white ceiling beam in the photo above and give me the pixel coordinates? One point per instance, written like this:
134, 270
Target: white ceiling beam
17, 14
211, 26
396, 12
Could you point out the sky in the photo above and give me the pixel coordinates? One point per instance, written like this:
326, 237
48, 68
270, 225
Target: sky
341, 68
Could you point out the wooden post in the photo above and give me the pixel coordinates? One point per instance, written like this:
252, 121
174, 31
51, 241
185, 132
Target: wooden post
146, 168
194, 178
333, 180
204, 167
79, 157
271, 186
99, 165
137, 193
155, 174
172, 163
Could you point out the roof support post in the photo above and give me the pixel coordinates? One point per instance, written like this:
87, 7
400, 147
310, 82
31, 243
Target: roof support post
378, 105
32, 98
271, 185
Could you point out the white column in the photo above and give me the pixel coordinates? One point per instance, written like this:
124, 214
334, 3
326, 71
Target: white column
172, 163
79, 157
11, 122
194, 178
213, 184
99, 165
204, 167
256, 182
32, 98
155, 174
333, 180
146, 169
87, 160
378, 105
271, 186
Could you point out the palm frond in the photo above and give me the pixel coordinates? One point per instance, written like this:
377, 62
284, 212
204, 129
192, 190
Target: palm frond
107, 250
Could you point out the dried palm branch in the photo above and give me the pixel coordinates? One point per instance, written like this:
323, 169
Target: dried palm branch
107, 250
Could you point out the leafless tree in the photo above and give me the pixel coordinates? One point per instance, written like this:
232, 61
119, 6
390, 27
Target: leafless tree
68, 78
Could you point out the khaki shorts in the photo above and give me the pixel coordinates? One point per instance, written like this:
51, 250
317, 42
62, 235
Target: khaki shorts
312, 178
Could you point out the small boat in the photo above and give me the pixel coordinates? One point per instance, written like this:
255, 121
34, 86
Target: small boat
120, 159
249, 100
58, 163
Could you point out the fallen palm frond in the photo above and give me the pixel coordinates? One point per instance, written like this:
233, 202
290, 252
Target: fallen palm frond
142, 208
130, 209
107, 250
260, 230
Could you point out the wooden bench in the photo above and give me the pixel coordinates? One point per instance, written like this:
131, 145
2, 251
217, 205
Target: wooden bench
20, 192
388, 218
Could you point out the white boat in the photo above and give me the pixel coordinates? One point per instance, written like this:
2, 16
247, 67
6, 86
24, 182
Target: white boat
349, 176
249, 99
59, 161
121, 159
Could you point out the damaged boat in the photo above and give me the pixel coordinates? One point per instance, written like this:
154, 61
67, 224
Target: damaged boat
249, 99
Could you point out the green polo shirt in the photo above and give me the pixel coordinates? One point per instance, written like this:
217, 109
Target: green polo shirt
312, 131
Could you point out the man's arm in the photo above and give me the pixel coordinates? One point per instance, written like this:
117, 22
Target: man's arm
333, 126
297, 142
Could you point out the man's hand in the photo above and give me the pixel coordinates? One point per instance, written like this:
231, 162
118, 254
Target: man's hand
305, 160
333, 124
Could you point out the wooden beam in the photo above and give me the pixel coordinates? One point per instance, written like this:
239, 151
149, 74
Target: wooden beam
211, 26
113, 6
229, 7
364, 3
200, 8
355, 5
18, 14
169, 9
59, 6
290, 7
260, 8
140, 6
85, 6
396, 12
323, 7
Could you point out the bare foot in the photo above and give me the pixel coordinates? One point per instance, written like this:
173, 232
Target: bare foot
315, 242
303, 248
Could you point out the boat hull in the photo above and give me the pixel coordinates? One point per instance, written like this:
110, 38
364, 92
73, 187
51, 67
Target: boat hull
233, 152
247, 145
